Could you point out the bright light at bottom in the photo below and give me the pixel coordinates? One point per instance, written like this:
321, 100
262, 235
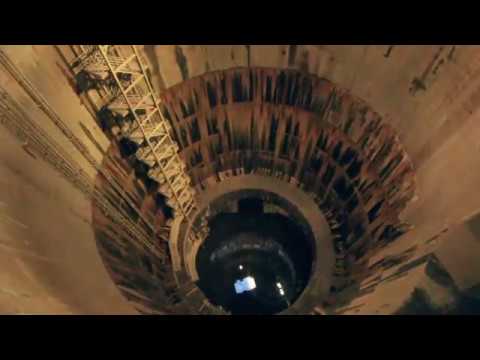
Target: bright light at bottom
282, 292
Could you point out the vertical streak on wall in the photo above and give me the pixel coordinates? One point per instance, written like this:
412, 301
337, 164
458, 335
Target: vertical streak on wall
292, 53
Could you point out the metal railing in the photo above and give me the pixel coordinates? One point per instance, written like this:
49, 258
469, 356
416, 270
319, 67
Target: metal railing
130, 94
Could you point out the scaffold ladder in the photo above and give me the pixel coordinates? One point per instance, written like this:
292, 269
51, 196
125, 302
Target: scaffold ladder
134, 96
137, 98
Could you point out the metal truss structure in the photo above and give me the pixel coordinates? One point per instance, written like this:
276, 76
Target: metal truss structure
122, 76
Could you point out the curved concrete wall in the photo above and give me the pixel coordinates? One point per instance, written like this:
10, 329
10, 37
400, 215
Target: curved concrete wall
429, 93
300, 203
49, 263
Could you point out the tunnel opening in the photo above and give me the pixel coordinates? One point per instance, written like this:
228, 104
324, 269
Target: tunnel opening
256, 260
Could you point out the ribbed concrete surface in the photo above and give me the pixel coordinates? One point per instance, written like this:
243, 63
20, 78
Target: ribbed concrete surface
49, 263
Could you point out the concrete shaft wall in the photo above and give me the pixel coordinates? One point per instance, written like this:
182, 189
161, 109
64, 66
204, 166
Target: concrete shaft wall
49, 262
429, 94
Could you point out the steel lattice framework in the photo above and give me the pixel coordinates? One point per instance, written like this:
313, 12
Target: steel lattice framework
130, 93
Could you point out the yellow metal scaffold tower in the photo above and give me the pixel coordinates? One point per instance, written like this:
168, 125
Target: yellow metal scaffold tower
133, 95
